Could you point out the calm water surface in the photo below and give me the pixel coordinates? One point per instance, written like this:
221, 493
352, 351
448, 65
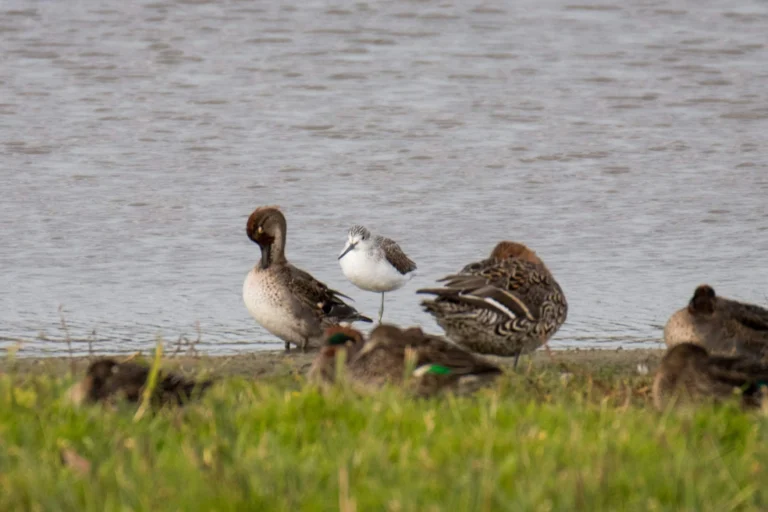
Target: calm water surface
624, 141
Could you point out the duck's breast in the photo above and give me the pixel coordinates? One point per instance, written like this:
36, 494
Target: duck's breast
270, 304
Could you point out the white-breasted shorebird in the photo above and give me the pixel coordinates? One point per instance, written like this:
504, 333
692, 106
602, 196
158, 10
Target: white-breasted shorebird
285, 300
375, 263
507, 305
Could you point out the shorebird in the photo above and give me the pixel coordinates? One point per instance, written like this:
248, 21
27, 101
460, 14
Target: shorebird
285, 300
106, 380
720, 325
435, 364
507, 305
688, 373
374, 263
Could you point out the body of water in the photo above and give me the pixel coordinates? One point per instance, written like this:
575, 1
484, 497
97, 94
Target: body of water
624, 141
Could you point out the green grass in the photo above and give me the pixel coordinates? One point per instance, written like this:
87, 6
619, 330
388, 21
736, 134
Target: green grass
533, 443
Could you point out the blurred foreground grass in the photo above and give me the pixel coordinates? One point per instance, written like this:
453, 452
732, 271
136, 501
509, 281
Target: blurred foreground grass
540, 440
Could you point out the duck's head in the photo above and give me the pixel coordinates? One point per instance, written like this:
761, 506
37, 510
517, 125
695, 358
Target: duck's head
508, 249
682, 355
266, 227
92, 387
339, 335
337, 338
703, 301
355, 236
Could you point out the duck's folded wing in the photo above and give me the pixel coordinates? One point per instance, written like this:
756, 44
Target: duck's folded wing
324, 301
494, 298
751, 316
452, 360
739, 371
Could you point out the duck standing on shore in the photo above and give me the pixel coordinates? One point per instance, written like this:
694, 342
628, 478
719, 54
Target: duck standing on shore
688, 373
285, 300
374, 263
722, 326
507, 305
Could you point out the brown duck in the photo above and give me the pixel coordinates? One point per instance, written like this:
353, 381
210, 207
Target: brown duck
436, 364
721, 325
507, 305
106, 380
688, 373
285, 300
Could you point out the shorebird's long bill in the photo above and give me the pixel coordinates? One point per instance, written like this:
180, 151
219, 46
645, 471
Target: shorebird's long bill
347, 248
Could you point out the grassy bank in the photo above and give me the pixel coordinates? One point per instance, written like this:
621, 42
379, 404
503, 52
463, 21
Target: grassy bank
564, 435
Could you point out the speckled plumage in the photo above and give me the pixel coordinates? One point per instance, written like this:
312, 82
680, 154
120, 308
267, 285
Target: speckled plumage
285, 300
688, 373
722, 326
506, 305
437, 364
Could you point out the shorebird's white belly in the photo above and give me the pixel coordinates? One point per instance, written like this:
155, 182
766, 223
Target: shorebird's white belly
267, 305
370, 273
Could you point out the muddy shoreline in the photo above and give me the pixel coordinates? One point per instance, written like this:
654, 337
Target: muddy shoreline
276, 364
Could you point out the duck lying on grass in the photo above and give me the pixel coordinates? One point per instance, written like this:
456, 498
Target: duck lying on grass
507, 304
427, 364
688, 373
720, 325
107, 381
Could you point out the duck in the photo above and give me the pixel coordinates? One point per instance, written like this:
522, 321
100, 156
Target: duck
722, 326
107, 380
689, 373
508, 304
374, 263
436, 364
285, 300
338, 338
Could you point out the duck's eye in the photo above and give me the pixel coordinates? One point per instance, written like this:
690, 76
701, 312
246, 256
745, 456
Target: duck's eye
260, 229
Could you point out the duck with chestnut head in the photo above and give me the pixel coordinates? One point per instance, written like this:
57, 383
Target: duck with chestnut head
285, 300
507, 304
721, 325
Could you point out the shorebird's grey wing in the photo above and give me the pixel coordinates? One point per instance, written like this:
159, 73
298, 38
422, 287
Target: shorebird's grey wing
395, 256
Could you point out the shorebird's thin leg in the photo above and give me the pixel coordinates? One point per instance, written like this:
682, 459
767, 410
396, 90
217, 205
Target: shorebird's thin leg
381, 309
287, 347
